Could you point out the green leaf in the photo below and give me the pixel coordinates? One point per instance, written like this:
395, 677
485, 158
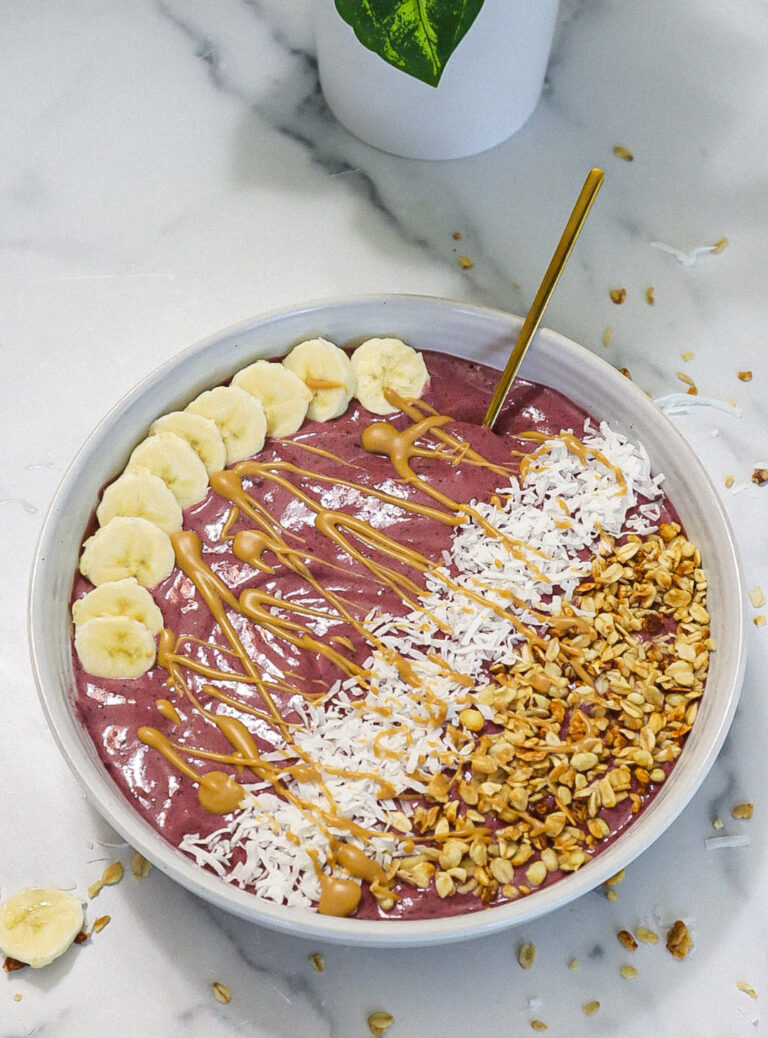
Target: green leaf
416, 36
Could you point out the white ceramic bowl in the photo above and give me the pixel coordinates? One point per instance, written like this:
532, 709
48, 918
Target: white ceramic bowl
484, 335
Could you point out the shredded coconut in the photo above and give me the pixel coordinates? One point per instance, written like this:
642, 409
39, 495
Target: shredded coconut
692, 256
682, 403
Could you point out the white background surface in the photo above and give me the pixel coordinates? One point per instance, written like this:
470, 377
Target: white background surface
169, 169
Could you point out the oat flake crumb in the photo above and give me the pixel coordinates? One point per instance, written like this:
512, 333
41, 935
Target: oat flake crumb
720, 244
573, 964
645, 935
679, 941
607, 336
616, 879
465, 262
729, 480
650, 297
744, 811
628, 972
745, 376
623, 153
590, 1008
112, 874
140, 867
526, 955
317, 961
17, 997
100, 923
618, 295
379, 1023
220, 992
757, 597
688, 355
538, 1025
626, 938
746, 988
95, 888
612, 895
759, 620
760, 477
718, 823
457, 235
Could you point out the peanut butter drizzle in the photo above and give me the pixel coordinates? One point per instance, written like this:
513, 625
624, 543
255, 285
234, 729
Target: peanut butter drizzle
172, 664
338, 897
455, 675
333, 523
252, 545
357, 863
301, 772
168, 659
229, 522
227, 485
217, 795
217, 792
269, 470
322, 452
382, 751
415, 410
296, 634
322, 383
168, 710
400, 448
215, 592
249, 546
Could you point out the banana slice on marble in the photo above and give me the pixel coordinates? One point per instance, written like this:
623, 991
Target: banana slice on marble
38, 924
238, 416
282, 394
201, 434
141, 493
124, 597
327, 371
128, 546
381, 364
115, 647
172, 459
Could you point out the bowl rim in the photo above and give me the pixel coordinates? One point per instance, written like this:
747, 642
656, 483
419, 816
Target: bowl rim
110, 802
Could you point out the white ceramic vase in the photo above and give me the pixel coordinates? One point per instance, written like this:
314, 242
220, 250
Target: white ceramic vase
489, 88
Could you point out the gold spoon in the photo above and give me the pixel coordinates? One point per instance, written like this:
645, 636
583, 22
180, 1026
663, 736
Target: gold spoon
576, 220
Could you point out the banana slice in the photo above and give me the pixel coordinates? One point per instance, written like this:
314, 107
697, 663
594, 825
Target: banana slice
172, 459
381, 364
327, 372
282, 394
238, 416
114, 647
119, 598
200, 433
127, 546
141, 493
38, 924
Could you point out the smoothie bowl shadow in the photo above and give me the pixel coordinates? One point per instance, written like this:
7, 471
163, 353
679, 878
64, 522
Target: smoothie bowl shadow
475, 333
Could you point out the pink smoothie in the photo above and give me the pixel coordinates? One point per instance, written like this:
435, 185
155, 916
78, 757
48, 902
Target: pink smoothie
113, 711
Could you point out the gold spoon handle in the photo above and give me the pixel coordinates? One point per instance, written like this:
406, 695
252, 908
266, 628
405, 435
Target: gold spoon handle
576, 220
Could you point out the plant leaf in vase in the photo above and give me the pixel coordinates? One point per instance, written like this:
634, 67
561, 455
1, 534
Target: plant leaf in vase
416, 36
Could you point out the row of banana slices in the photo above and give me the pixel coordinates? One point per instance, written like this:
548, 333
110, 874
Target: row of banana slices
116, 623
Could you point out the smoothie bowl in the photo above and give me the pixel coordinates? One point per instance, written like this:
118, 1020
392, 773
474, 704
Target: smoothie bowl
345, 663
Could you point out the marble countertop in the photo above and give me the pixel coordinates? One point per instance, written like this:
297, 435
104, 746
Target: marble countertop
169, 168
